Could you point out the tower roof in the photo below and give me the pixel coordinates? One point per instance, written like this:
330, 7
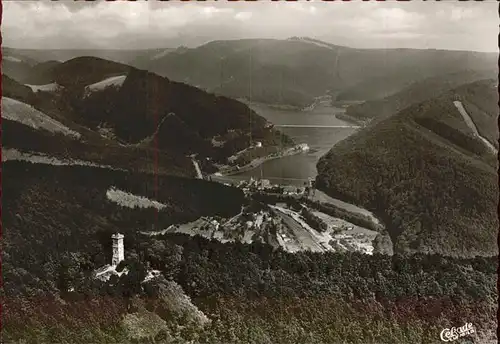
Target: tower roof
117, 236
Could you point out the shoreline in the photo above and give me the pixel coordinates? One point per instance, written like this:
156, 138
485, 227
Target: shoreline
294, 150
275, 106
350, 119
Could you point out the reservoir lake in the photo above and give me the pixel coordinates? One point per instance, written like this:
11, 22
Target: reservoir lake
297, 168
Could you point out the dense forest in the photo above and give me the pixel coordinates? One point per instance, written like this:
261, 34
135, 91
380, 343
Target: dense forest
254, 294
51, 211
58, 224
425, 175
95, 150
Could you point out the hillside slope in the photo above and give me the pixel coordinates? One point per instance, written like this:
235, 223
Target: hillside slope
480, 100
15, 64
35, 125
424, 172
52, 210
58, 222
121, 106
417, 93
296, 70
13, 89
40, 73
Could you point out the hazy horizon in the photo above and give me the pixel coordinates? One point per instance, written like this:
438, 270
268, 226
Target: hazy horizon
235, 39
44, 25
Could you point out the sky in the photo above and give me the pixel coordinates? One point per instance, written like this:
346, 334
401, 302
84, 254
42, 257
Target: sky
447, 24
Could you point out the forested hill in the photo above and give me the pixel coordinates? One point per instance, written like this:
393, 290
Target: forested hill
58, 222
294, 71
418, 92
424, 172
253, 295
118, 106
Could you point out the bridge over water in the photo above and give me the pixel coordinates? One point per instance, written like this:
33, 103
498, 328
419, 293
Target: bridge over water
315, 126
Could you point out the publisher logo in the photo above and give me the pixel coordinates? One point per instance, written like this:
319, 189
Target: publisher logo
451, 334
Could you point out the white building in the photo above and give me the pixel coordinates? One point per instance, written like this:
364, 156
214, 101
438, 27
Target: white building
216, 224
265, 183
258, 221
310, 182
303, 146
258, 144
118, 250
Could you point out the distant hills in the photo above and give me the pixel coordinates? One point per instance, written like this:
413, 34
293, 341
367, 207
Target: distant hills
286, 72
62, 55
296, 70
425, 173
25, 65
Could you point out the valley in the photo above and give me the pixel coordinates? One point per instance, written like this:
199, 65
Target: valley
281, 226
324, 194
320, 129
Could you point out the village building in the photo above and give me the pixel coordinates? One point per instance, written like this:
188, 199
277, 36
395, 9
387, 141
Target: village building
258, 220
264, 183
216, 224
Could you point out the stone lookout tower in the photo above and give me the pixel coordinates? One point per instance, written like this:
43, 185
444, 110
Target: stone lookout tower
118, 250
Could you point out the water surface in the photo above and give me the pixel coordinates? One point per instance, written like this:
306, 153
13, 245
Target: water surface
297, 168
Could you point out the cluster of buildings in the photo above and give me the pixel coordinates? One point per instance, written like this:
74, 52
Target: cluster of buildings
301, 147
210, 224
257, 219
253, 185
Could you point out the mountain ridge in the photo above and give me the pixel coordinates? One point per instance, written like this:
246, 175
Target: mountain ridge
321, 67
425, 173
134, 106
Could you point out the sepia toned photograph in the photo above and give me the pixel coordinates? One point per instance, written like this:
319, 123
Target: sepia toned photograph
249, 172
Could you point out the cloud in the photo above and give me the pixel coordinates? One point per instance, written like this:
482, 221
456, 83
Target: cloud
460, 13
243, 16
212, 11
69, 24
302, 7
396, 19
